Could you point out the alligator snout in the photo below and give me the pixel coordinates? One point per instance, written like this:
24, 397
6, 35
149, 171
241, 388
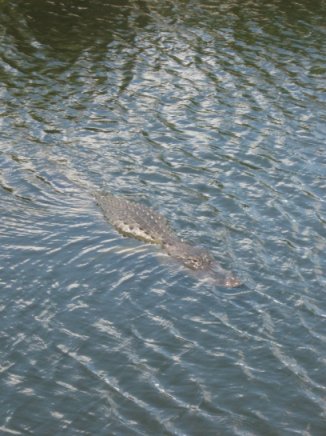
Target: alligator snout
221, 277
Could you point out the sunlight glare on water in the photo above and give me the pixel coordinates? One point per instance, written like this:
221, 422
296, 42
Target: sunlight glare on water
213, 114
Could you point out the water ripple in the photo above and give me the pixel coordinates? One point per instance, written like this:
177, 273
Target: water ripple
213, 115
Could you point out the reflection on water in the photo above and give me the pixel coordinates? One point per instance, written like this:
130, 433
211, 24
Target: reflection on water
213, 115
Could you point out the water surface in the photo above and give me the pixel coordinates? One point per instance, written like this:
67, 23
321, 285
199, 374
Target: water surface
213, 113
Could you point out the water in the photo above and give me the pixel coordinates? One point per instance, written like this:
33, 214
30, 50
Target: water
213, 114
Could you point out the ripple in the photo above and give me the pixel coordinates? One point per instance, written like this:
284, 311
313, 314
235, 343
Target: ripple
213, 115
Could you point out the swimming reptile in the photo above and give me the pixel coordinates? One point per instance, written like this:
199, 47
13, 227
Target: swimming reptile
142, 222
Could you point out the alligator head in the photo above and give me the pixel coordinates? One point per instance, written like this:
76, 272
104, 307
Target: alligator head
201, 261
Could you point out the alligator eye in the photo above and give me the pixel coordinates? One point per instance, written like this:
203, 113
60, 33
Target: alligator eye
195, 262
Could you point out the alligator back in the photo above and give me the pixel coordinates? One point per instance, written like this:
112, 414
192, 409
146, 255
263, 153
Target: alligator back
136, 220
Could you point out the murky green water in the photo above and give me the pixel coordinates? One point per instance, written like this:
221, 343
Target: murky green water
213, 113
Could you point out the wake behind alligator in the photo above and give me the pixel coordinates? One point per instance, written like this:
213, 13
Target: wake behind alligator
142, 222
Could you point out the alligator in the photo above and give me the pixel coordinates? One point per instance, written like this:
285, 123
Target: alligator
143, 223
